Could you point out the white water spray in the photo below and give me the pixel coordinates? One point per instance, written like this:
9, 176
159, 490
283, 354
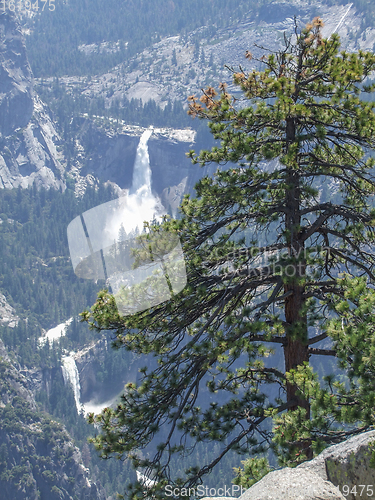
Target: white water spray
140, 205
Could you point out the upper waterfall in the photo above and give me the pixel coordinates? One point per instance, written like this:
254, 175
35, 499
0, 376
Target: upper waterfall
140, 205
141, 184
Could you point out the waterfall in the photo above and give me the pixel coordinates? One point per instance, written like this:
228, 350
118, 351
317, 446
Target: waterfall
71, 375
140, 204
141, 184
54, 334
125, 214
106, 226
125, 220
141, 201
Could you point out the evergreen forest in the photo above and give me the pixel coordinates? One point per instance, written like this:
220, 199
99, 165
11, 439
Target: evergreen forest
135, 24
37, 279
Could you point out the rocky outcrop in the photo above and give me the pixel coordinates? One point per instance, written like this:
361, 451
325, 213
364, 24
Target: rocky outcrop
28, 139
37, 456
8, 316
292, 484
16, 87
171, 169
105, 154
341, 471
347, 463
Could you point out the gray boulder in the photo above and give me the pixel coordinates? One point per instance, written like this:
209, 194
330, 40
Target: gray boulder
340, 472
219, 498
348, 464
292, 484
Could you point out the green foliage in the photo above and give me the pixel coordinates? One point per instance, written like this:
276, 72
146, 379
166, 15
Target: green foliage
265, 258
33, 445
253, 470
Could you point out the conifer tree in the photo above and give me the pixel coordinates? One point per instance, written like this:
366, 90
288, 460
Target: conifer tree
271, 264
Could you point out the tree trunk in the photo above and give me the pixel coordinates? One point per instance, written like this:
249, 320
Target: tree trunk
295, 346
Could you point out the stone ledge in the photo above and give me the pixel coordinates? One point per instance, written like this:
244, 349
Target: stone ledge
323, 478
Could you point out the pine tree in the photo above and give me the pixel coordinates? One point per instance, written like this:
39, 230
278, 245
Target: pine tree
270, 265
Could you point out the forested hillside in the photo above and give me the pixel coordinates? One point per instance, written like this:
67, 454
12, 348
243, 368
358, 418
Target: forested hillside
134, 24
38, 281
130, 26
35, 268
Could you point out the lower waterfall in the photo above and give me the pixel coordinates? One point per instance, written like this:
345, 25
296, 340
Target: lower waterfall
71, 375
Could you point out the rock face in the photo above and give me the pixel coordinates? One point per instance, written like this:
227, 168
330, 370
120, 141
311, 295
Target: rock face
341, 471
16, 95
347, 463
37, 456
28, 138
144, 77
292, 484
8, 315
91, 360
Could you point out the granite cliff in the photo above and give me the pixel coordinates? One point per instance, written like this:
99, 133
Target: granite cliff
107, 154
28, 138
171, 69
31, 149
